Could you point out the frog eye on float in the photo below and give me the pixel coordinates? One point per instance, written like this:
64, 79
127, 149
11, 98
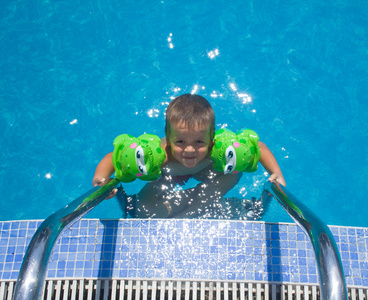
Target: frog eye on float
139, 159
230, 155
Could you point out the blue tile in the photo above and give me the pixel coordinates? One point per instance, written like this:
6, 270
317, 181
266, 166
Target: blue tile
312, 279
353, 255
354, 264
303, 278
179, 224
276, 277
284, 252
64, 248
343, 231
362, 248
232, 225
72, 248
344, 239
8, 266
78, 273
240, 226
360, 232
276, 260
4, 242
357, 281
258, 251
302, 261
311, 262
6, 226
299, 230
51, 273
334, 230
12, 242
364, 265
22, 233
301, 245
275, 252
230, 276
275, 235
353, 248
258, 243
244, 248
248, 226
344, 247
284, 244
275, 244
285, 277
283, 236
23, 224
351, 231
352, 239
301, 237
18, 258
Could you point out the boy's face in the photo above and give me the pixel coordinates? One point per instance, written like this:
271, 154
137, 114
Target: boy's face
189, 145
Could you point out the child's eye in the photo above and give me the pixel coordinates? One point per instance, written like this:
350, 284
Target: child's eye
179, 142
199, 142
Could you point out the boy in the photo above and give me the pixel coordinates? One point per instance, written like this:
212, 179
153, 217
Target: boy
189, 129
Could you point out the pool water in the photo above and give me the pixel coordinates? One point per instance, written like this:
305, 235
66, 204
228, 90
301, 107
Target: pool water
74, 75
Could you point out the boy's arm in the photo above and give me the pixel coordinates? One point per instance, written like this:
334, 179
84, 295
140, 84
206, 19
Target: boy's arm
269, 162
104, 170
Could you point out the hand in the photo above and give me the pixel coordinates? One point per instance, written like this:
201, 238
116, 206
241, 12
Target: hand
102, 181
277, 177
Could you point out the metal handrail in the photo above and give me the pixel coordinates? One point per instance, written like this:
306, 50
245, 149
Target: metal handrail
33, 270
32, 273
331, 276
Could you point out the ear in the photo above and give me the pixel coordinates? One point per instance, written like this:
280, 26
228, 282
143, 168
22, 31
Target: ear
165, 142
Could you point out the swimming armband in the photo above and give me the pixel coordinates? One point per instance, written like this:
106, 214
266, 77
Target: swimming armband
140, 157
233, 153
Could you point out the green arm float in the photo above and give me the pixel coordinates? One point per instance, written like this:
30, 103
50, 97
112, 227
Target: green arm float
140, 157
233, 153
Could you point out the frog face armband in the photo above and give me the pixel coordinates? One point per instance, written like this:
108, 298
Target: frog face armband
233, 153
140, 157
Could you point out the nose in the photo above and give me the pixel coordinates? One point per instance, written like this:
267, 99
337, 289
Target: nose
189, 148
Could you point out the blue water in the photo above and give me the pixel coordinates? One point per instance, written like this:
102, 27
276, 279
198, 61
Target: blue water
75, 74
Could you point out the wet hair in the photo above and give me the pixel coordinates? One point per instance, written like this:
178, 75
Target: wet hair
192, 110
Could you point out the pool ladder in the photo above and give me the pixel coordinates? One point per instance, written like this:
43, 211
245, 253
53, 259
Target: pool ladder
33, 271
